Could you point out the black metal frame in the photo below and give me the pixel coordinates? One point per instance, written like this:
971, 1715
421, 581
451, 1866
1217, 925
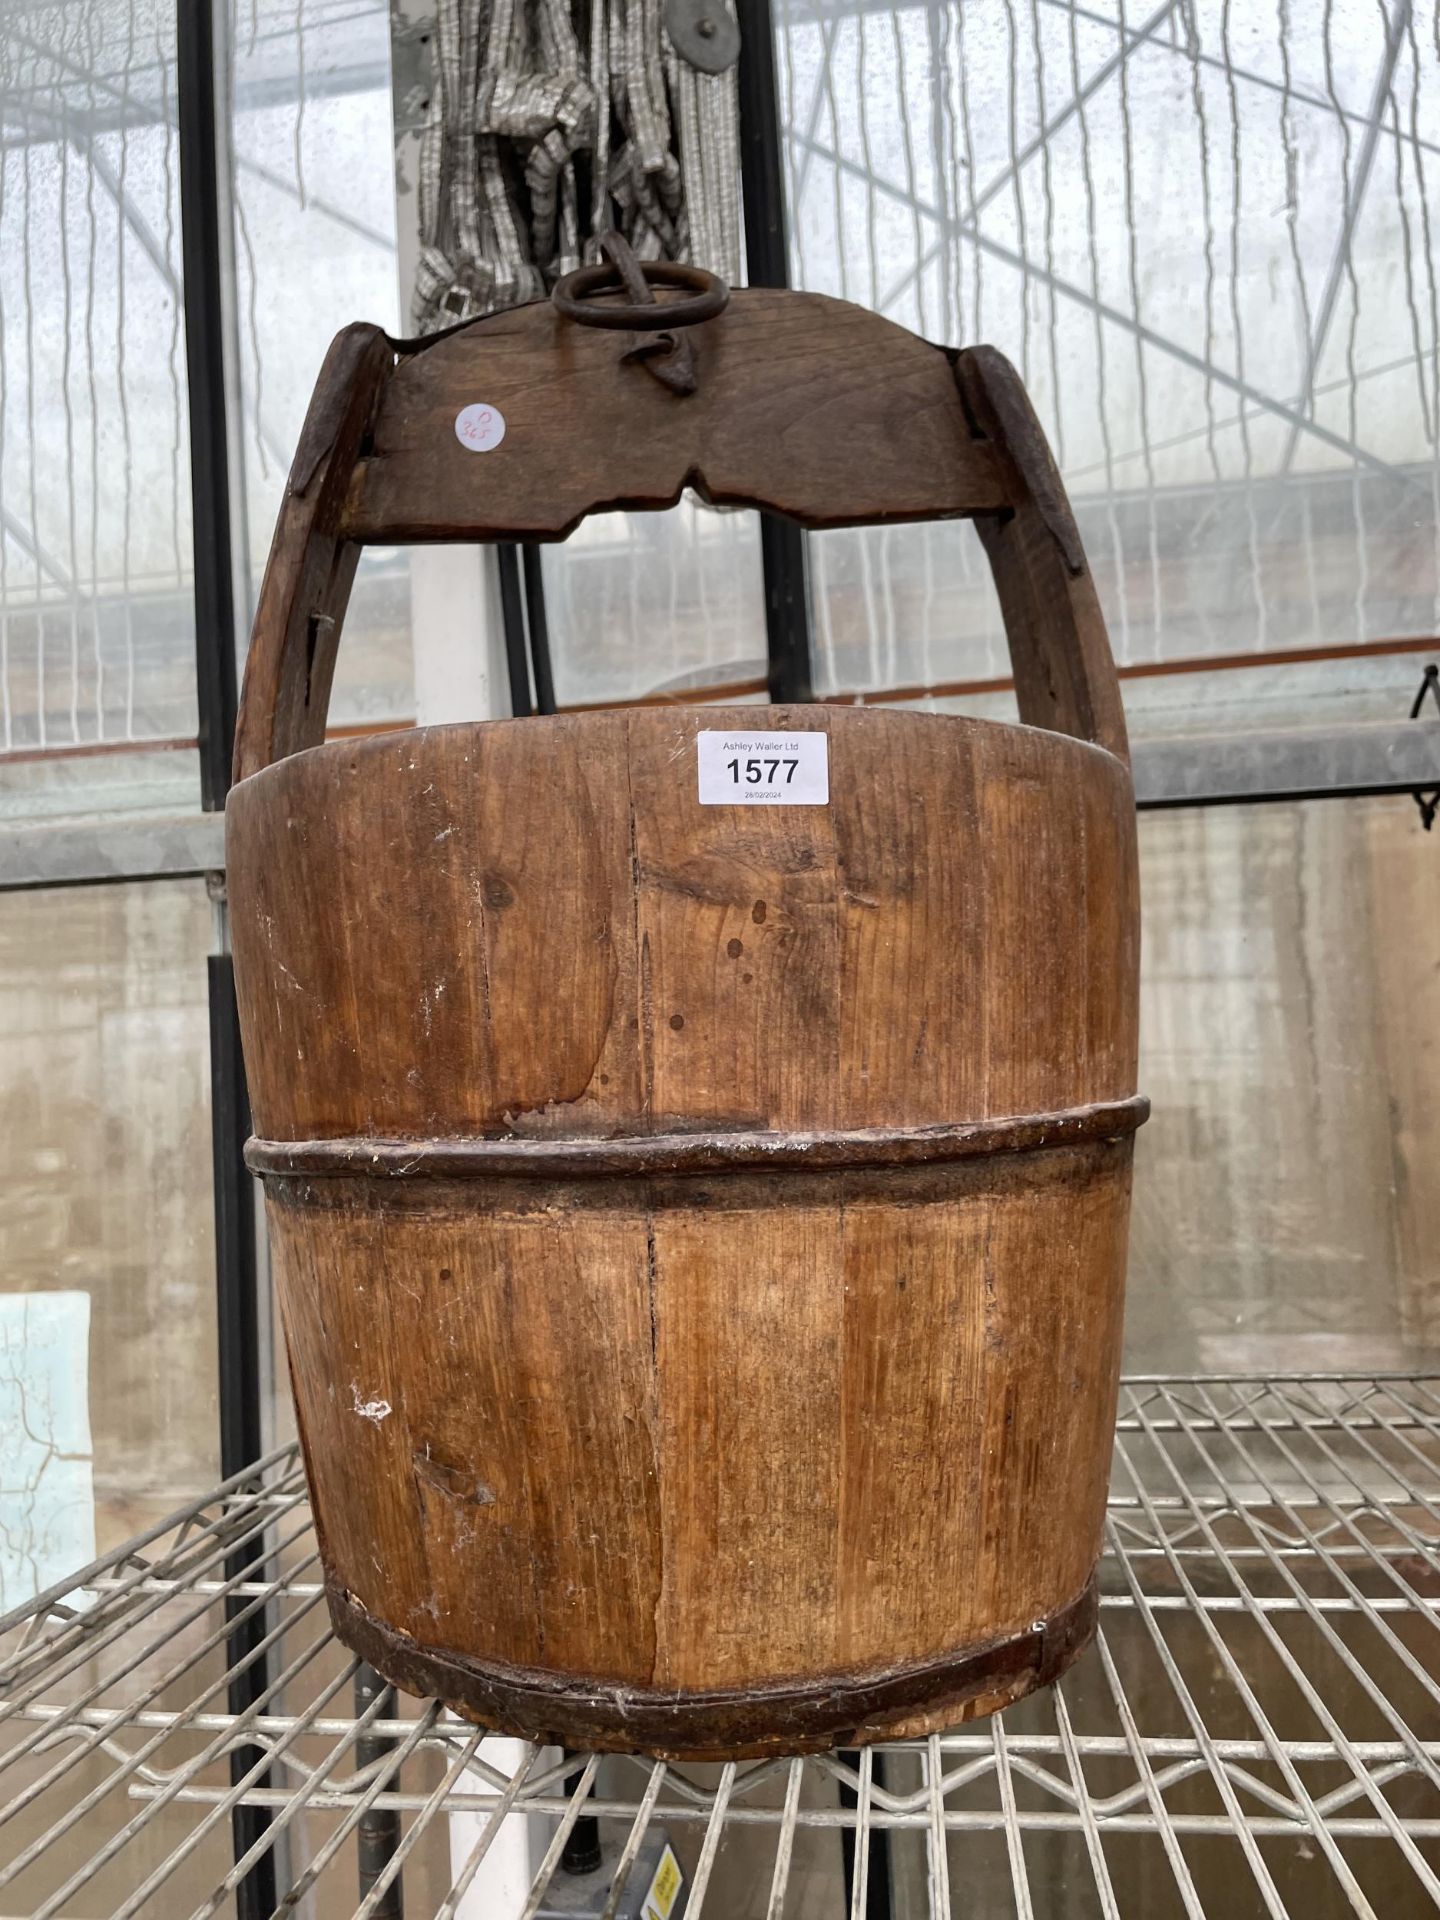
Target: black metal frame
517, 638
526, 629
237, 1276
377, 1837
241, 1441
767, 264
216, 680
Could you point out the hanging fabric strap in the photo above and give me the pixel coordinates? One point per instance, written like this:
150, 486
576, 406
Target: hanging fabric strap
552, 123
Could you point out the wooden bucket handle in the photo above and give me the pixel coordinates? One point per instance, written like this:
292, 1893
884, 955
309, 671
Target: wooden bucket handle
806, 406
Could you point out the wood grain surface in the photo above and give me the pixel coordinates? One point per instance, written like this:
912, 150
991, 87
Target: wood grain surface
311, 567
700, 1230
714, 1427
533, 927
807, 406
651, 1438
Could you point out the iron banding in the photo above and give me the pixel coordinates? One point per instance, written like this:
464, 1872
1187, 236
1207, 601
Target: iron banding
788, 1717
513, 1156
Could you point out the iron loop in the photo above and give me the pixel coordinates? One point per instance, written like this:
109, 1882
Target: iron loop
705, 295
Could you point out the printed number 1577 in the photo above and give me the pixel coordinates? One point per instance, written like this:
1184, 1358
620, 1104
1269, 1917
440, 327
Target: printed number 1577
754, 776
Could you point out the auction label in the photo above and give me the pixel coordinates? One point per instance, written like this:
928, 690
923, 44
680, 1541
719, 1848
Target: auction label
480, 428
763, 769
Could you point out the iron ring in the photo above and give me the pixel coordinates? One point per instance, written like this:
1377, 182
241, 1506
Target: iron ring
707, 295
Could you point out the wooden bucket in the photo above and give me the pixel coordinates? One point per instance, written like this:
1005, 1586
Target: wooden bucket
699, 1228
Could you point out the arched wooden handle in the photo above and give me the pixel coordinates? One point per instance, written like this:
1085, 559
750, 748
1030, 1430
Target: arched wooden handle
306, 588
807, 406
1059, 650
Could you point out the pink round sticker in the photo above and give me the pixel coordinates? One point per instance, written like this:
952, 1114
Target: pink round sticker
480, 428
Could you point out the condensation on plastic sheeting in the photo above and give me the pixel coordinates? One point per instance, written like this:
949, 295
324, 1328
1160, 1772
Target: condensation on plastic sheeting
47, 1513
1206, 237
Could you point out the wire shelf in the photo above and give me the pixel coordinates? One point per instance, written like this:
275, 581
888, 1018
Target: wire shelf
1256, 1729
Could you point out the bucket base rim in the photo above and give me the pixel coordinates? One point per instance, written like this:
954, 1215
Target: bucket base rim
846, 1709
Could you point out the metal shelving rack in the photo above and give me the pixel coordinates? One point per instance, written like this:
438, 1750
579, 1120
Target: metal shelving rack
1266, 1687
